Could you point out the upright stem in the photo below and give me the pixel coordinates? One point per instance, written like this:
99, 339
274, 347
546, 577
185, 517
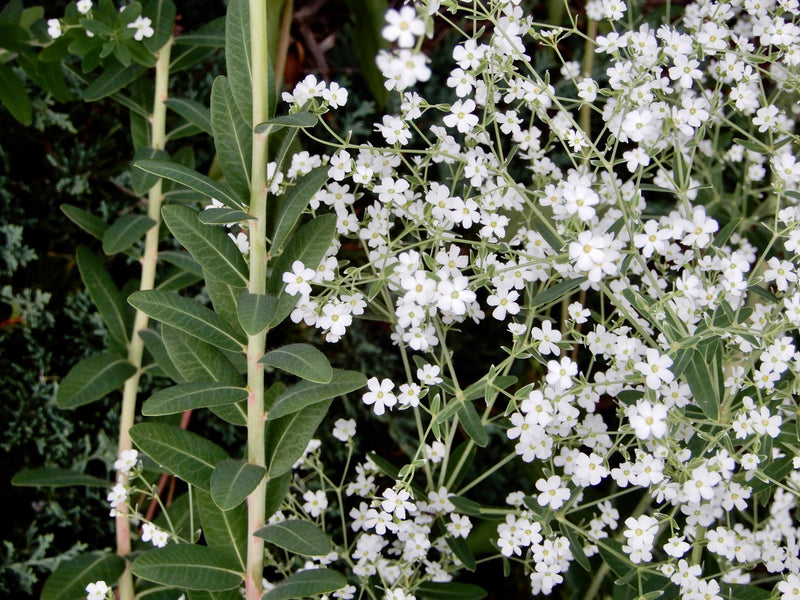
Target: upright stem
256, 501
147, 282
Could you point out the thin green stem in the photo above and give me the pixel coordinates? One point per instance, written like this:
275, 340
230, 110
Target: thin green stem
147, 282
256, 415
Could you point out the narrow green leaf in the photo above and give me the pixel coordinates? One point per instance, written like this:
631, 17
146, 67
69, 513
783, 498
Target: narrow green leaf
307, 393
308, 245
700, 376
294, 203
302, 360
575, 546
233, 480
198, 361
299, 537
183, 453
306, 583
232, 138
125, 232
300, 119
255, 311
105, 295
612, 554
194, 112
471, 421
277, 490
237, 56
557, 292
461, 549
111, 81
52, 477
223, 216
466, 506
210, 246
450, 590
162, 15
225, 298
92, 225
368, 21
288, 437
14, 96
191, 179
182, 260
142, 181
69, 581
93, 378
188, 396
224, 530
154, 344
187, 566
188, 316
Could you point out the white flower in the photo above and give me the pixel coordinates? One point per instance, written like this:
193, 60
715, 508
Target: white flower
97, 590
344, 429
402, 26
298, 280
84, 6
397, 503
143, 28
126, 461
315, 502
54, 30
380, 395
656, 369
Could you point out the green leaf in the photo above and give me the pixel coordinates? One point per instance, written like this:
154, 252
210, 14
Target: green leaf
183, 453
471, 422
162, 14
575, 546
450, 590
14, 96
224, 530
92, 225
466, 506
298, 537
194, 112
105, 295
294, 203
306, 583
237, 57
277, 490
93, 378
612, 554
232, 138
701, 375
188, 396
188, 316
69, 581
224, 298
308, 393
223, 216
308, 245
154, 344
125, 232
142, 181
233, 480
198, 361
111, 81
187, 566
255, 311
182, 260
368, 21
302, 360
461, 549
288, 437
210, 246
52, 477
191, 179
557, 292
300, 119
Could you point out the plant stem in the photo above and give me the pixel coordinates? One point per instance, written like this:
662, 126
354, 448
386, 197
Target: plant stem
256, 501
158, 136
